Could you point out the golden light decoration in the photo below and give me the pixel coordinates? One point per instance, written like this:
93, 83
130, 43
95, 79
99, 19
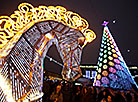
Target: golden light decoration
115, 55
12, 27
112, 46
5, 86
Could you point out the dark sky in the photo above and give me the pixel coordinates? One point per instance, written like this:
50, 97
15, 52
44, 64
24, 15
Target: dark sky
124, 30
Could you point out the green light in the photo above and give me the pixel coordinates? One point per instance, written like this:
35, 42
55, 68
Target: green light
105, 47
100, 65
105, 51
105, 61
105, 55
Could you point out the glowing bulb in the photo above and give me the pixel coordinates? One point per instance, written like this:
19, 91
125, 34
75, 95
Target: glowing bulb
115, 55
104, 42
101, 54
111, 63
105, 47
101, 49
105, 51
50, 59
110, 58
98, 76
100, 65
112, 46
110, 53
109, 48
105, 66
105, 55
101, 59
105, 61
105, 73
108, 44
113, 50
99, 70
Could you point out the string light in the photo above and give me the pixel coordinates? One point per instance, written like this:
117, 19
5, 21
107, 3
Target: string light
105, 66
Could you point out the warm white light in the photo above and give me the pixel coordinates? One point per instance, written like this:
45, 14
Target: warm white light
6, 89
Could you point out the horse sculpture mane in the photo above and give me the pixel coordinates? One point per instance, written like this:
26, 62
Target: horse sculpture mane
11, 28
25, 38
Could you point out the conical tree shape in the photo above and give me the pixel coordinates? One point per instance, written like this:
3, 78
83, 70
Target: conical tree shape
112, 70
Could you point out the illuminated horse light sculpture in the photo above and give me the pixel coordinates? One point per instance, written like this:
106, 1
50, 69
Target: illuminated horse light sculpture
25, 38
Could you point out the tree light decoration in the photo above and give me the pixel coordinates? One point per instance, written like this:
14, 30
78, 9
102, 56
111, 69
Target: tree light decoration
105, 66
114, 72
99, 76
25, 37
105, 73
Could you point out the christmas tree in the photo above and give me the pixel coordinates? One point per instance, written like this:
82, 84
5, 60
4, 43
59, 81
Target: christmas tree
112, 70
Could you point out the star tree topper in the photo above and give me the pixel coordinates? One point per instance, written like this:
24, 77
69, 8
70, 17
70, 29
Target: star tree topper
105, 23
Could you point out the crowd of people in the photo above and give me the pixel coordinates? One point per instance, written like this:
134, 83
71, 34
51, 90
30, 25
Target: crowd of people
69, 92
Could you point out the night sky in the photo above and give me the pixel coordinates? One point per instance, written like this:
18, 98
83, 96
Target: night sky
124, 30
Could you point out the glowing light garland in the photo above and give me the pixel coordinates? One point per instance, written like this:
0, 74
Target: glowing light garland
11, 28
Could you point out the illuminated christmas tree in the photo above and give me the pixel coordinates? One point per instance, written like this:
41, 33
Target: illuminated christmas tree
112, 70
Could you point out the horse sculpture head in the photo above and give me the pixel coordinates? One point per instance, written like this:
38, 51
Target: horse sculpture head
25, 37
